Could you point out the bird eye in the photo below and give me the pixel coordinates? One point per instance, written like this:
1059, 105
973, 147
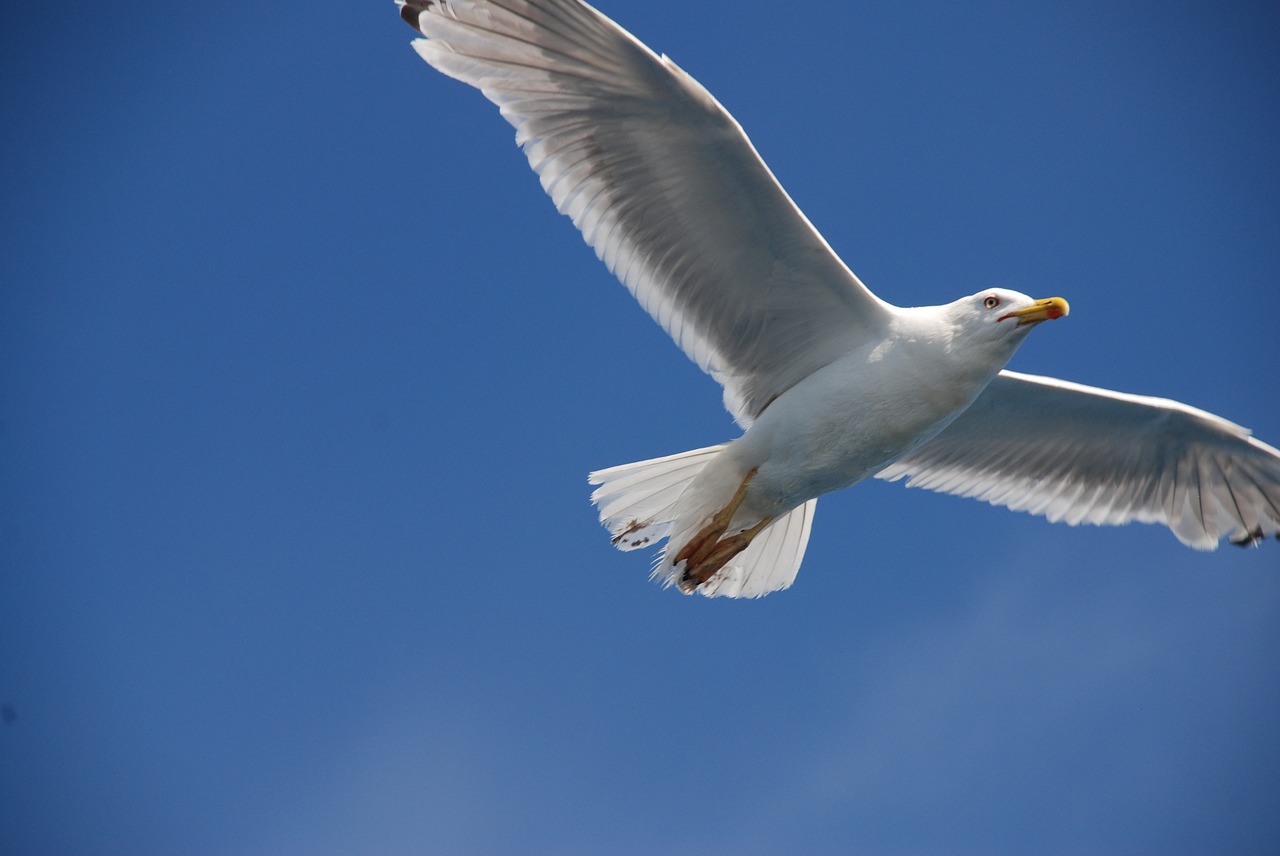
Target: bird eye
991, 302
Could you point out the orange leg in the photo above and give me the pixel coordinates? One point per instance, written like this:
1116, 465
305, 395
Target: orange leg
708, 551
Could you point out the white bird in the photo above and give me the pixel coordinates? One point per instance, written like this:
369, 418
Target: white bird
831, 384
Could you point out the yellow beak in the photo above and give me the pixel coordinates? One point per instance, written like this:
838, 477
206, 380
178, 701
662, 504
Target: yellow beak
1041, 310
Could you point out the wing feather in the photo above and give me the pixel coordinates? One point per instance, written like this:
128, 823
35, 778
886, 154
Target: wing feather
1080, 454
664, 185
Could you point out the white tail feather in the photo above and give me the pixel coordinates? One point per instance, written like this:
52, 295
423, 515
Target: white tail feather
770, 563
637, 501
640, 502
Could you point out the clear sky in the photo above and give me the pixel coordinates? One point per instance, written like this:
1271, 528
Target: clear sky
301, 376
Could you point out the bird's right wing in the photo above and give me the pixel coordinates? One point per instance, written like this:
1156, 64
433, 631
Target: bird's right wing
666, 187
1085, 455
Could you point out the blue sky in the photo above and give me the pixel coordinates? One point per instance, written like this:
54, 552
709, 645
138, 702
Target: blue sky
302, 376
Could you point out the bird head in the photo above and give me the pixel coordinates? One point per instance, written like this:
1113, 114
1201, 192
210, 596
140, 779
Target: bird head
1002, 312
997, 320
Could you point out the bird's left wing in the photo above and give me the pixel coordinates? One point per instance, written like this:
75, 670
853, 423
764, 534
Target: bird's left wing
664, 185
1080, 454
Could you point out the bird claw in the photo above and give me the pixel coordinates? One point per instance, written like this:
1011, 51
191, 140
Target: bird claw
708, 551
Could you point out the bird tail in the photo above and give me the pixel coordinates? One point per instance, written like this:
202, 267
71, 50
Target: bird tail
641, 503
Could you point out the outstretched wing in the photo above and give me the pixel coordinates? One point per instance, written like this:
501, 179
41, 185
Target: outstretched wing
666, 187
1085, 455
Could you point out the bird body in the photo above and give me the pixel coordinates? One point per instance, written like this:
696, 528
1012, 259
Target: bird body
831, 383
853, 417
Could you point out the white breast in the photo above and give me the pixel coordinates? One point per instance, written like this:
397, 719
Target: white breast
851, 419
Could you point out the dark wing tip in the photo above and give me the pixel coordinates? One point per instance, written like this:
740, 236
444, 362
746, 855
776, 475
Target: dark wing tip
1252, 539
411, 9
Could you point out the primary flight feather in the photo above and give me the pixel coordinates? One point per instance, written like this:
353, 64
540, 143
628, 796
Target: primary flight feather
831, 383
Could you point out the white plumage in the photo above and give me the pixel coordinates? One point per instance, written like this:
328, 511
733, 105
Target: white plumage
831, 384
1080, 454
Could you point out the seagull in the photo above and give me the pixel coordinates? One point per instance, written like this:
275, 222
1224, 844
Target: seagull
830, 383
